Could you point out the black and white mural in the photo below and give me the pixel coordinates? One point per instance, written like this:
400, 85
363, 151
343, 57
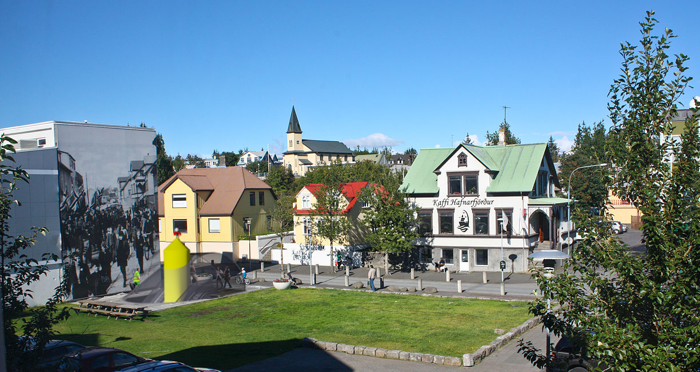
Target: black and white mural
108, 208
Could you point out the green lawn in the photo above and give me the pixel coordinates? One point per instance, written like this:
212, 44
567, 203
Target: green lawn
241, 329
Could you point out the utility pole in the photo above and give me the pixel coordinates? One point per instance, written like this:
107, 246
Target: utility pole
504, 113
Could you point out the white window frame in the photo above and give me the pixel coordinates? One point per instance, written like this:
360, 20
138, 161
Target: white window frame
179, 200
306, 225
214, 225
306, 202
182, 232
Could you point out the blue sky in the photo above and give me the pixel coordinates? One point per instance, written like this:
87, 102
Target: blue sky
224, 75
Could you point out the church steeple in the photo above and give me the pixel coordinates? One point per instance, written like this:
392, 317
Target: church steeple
294, 126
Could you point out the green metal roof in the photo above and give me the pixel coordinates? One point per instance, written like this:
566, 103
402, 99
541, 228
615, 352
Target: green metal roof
519, 166
516, 167
421, 179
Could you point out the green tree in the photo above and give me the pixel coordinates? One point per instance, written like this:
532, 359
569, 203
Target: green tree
492, 138
553, 149
390, 220
467, 140
178, 163
195, 160
282, 221
18, 271
281, 180
328, 220
589, 186
259, 166
642, 313
231, 157
164, 164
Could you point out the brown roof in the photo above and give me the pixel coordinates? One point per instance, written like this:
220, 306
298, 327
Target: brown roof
227, 185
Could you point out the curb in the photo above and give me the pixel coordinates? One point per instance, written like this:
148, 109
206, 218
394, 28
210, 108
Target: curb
467, 360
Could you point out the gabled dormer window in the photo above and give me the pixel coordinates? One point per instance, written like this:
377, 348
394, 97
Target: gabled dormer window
462, 160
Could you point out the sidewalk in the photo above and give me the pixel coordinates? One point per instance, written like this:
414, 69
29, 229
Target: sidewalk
518, 286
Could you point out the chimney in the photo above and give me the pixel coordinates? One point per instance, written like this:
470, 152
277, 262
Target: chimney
222, 161
501, 137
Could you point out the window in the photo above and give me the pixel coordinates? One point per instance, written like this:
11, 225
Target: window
346, 157
306, 202
261, 197
290, 143
100, 362
307, 225
268, 221
179, 201
542, 184
463, 184
509, 225
252, 198
482, 257
471, 184
246, 224
465, 255
160, 226
446, 222
425, 219
214, 225
455, 185
481, 222
462, 160
123, 359
320, 157
180, 225
449, 256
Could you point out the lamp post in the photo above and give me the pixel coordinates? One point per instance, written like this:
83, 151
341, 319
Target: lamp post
250, 261
548, 254
568, 203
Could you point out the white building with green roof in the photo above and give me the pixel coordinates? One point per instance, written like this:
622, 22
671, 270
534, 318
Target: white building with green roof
462, 193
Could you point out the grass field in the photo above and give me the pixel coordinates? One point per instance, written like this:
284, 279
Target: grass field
242, 329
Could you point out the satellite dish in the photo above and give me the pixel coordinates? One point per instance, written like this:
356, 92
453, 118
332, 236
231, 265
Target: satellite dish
692, 101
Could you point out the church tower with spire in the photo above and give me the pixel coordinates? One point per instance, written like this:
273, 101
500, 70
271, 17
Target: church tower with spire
294, 133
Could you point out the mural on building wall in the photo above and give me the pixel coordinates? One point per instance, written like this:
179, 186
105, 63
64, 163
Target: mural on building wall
108, 218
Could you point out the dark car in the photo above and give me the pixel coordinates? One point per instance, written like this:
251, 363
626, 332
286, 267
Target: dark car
165, 366
569, 358
99, 359
56, 349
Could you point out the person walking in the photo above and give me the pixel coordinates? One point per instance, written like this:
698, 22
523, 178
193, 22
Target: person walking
193, 274
227, 278
371, 274
219, 278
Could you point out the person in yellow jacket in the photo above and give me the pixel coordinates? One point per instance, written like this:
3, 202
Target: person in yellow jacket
137, 278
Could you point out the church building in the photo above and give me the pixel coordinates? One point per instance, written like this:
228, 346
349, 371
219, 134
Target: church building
303, 154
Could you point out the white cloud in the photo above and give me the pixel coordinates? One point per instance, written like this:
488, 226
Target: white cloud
475, 140
438, 145
560, 133
564, 144
378, 140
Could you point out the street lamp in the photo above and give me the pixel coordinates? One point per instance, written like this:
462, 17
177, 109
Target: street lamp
548, 254
568, 203
250, 262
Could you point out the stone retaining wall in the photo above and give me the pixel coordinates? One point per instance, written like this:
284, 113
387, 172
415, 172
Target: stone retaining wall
467, 360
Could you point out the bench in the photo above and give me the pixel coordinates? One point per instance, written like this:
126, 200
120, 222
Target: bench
110, 309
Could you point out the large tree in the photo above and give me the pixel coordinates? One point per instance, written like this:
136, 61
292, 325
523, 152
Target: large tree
282, 220
391, 220
553, 149
164, 164
639, 313
280, 179
18, 272
589, 186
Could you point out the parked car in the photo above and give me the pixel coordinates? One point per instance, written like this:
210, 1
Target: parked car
99, 359
623, 228
165, 366
55, 350
568, 358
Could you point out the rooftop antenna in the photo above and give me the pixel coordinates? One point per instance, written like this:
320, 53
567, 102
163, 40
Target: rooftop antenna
505, 108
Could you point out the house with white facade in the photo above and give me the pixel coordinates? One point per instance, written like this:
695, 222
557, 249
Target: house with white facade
463, 194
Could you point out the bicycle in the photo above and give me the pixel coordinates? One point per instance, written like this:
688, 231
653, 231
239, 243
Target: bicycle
241, 280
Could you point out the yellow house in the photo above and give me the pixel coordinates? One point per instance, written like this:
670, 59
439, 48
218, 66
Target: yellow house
212, 208
305, 213
303, 154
